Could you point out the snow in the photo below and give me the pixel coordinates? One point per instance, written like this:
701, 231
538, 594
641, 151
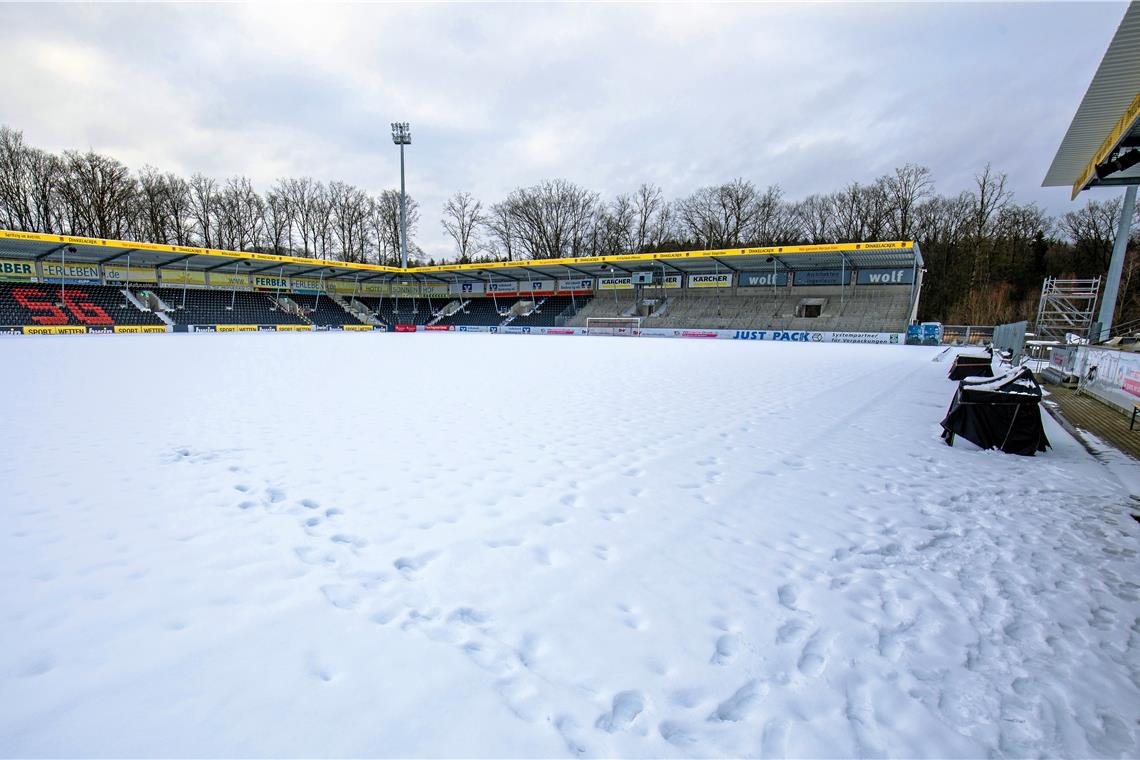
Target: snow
467, 545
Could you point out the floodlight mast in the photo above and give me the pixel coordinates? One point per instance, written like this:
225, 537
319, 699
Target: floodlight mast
402, 135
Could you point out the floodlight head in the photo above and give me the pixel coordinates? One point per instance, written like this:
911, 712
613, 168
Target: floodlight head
401, 133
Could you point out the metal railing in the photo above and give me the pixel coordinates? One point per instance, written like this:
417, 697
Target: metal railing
967, 335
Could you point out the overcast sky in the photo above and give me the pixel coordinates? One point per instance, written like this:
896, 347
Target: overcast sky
809, 96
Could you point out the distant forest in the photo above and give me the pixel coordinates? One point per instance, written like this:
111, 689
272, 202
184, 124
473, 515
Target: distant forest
986, 254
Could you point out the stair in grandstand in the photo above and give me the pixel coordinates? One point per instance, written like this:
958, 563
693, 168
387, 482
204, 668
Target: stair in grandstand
522, 308
199, 306
357, 310
143, 302
322, 311
148, 302
289, 306
90, 306
449, 308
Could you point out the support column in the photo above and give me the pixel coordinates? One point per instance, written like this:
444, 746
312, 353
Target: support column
1116, 266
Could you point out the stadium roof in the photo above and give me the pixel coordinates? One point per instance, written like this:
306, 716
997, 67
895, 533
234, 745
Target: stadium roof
1108, 119
37, 246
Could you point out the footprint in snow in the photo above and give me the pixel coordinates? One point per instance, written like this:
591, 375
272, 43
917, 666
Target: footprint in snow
569, 729
310, 555
341, 596
787, 595
774, 740
727, 647
408, 566
355, 542
740, 703
468, 616
627, 705
790, 632
813, 658
677, 734
498, 543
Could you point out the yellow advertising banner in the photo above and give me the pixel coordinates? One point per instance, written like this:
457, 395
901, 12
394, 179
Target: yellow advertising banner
229, 279
294, 328
15, 269
270, 281
374, 289
722, 280
405, 289
357, 328
615, 283
140, 328
116, 273
182, 277
56, 270
306, 283
236, 328
56, 330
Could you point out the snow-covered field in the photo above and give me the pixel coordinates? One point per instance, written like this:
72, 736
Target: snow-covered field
464, 545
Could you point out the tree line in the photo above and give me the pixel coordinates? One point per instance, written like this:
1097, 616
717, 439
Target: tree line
986, 254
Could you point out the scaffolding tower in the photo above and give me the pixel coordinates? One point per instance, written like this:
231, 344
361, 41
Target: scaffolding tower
1066, 306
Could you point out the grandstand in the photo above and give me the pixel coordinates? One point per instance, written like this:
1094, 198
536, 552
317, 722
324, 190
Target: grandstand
103, 285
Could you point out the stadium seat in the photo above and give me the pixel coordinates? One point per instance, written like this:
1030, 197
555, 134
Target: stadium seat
53, 305
323, 311
196, 306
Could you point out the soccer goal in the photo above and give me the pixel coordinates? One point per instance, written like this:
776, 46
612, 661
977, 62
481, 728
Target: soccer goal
629, 327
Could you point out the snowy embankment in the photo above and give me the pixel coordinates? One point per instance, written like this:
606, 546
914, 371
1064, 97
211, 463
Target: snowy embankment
325, 544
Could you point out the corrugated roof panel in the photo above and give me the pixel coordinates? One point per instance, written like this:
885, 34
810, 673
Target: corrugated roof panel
1112, 94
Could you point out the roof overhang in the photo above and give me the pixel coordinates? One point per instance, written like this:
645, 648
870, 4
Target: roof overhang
886, 255
1106, 127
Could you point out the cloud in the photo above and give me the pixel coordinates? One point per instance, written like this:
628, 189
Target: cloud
809, 96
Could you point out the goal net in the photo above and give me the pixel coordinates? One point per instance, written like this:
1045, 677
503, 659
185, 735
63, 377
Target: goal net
629, 327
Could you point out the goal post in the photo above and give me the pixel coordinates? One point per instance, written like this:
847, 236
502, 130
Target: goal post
629, 327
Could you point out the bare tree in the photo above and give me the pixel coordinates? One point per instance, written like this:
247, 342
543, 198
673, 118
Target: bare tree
463, 219
648, 206
98, 193
552, 219
349, 207
240, 215
990, 198
722, 216
773, 220
278, 223
503, 238
15, 190
179, 210
204, 209
1092, 229
908, 187
151, 220
814, 216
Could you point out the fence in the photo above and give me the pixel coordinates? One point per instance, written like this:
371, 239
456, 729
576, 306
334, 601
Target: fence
967, 335
1011, 338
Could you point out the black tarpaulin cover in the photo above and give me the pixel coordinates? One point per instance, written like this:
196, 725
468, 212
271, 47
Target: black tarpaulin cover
1000, 412
971, 366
